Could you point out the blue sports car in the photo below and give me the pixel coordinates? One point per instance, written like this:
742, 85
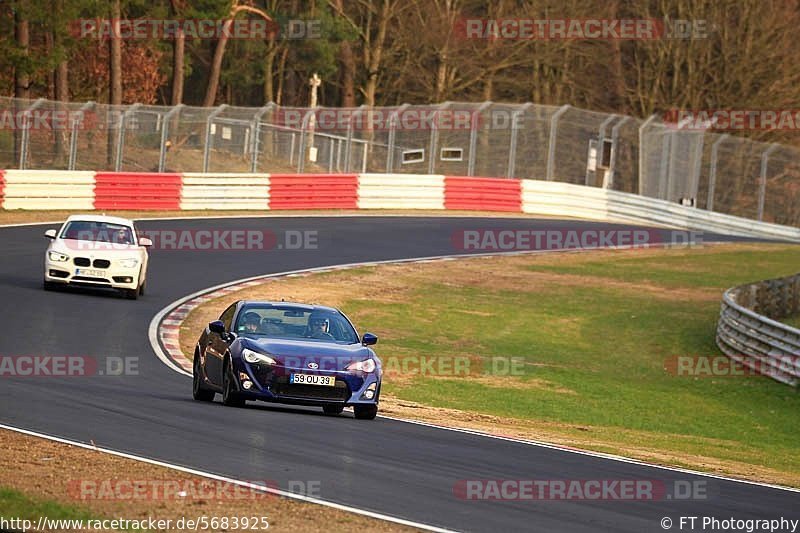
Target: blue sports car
288, 353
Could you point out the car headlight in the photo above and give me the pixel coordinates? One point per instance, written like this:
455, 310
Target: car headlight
367, 365
57, 256
254, 357
128, 263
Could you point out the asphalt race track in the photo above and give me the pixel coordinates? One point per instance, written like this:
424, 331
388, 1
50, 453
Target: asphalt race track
387, 466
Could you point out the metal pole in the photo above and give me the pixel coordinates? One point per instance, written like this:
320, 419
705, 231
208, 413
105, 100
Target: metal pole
26, 133
393, 137
511, 167
551, 143
762, 185
121, 139
614, 144
73, 138
301, 161
473, 137
663, 176
162, 157
209, 139
349, 142
435, 139
712, 173
256, 142
601, 136
641, 151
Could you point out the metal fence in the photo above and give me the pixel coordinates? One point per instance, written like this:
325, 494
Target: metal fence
711, 171
749, 332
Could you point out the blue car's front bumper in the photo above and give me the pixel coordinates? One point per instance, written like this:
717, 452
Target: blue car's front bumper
271, 383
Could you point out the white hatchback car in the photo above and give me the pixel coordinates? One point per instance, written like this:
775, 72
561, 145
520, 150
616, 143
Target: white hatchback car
97, 251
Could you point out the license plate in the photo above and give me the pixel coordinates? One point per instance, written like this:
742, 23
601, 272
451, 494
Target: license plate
311, 379
89, 272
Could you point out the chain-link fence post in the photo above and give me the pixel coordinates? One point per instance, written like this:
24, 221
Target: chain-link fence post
551, 143
73, 136
435, 137
762, 183
642, 150
601, 136
392, 140
209, 139
26, 132
255, 148
301, 161
475, 126
512, 145
609, 183
123, 124
348, 145
162, 156
712, 172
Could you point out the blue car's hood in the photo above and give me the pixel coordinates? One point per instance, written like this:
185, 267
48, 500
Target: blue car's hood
304, 352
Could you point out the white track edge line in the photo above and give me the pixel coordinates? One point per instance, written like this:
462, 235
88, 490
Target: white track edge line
153, 332
246, 484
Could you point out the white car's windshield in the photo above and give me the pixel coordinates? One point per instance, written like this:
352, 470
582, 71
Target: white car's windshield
86, 230
285, 322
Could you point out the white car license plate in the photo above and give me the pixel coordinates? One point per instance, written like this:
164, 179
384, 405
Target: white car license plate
89, 272
311, 379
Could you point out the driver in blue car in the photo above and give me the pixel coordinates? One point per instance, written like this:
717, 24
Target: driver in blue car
319, 328
251, 322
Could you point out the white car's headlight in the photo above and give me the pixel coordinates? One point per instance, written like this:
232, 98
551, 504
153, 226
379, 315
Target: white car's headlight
57, 256
254, 357
367, 365
129, 263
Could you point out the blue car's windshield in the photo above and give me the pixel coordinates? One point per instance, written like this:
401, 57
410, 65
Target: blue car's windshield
285, 322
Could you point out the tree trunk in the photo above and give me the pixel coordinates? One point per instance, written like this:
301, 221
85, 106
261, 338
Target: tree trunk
348, 68
216, 65
115, 73
21, 78
178, 54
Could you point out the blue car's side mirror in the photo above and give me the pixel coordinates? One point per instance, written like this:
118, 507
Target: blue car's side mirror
216, 326
369, 339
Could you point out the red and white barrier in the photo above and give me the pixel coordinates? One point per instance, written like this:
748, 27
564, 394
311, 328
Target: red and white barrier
108, 191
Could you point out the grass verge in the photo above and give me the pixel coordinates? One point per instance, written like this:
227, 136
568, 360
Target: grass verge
595, 334
42, 478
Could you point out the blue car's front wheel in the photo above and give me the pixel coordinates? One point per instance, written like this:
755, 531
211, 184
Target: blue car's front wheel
365, 412
230, 396
198, 392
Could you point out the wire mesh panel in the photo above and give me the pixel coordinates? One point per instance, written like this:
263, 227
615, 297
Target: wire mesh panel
533, 133
140, 137
782, 187
736, 188
95, 136
11, 130
574, 129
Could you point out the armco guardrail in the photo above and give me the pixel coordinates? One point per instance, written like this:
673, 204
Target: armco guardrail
85, 190
749, 333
